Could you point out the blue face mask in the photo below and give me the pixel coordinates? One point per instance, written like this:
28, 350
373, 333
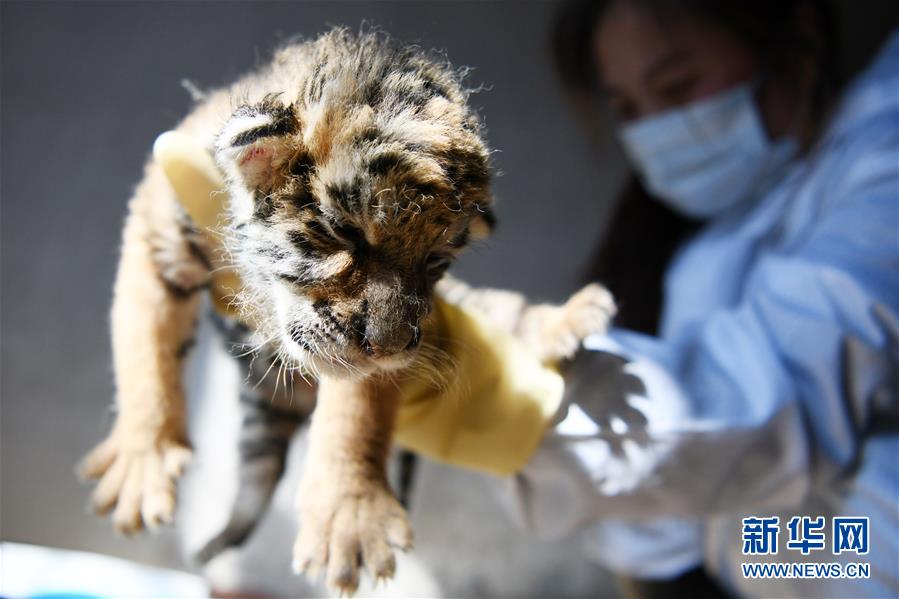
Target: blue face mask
708, 156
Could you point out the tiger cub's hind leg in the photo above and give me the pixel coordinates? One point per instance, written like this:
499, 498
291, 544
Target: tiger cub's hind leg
274, 405
265, 436
556, 332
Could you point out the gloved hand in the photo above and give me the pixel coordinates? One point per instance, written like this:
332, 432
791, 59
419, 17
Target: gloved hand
600, 383
490, 400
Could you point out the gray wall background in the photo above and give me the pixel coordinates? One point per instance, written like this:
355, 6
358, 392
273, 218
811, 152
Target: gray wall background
86, 87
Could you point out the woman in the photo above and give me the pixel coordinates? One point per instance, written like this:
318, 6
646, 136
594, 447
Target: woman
769, 387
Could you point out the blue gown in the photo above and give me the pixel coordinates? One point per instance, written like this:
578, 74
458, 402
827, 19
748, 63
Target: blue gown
771, 388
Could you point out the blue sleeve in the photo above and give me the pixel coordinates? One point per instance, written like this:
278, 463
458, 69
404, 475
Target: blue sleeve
754, 405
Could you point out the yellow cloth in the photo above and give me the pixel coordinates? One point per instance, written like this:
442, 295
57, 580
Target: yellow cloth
492, 398
200, 187
493, 408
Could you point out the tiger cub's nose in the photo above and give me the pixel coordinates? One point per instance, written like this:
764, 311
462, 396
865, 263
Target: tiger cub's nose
379, 344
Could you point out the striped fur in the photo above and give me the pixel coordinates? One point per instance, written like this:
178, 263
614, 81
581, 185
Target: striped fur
352, 190
356, 174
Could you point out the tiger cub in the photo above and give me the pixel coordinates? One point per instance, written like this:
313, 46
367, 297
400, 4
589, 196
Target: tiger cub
356, 173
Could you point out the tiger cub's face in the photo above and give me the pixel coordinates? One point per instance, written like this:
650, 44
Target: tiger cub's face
347, 206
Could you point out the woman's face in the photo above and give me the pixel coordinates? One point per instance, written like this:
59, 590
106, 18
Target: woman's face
648, 65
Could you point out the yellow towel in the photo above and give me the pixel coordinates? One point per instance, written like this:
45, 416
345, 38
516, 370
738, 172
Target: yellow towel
490, 406
494, 406
200, 187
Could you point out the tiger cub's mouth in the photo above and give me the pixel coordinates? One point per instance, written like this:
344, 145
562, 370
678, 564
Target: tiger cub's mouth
352, 360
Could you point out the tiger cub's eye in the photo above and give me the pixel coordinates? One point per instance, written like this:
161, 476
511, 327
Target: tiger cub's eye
436, 265
349, 234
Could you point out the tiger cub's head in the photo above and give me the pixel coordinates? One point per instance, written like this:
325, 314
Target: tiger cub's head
352, 189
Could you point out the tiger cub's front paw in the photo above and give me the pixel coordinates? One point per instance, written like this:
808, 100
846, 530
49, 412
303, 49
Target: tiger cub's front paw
586, 312
342, 532
136, 478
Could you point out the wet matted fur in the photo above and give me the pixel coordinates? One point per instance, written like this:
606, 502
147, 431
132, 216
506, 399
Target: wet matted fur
356, 173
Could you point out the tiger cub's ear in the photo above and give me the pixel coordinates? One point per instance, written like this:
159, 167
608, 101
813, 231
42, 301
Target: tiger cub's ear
483, 223
256, 143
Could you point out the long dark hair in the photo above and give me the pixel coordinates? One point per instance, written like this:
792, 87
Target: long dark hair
643, 234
